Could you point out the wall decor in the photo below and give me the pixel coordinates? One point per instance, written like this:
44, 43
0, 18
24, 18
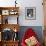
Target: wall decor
30, 13
5, 12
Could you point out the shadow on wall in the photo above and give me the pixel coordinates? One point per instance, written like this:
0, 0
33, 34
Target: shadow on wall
37, 29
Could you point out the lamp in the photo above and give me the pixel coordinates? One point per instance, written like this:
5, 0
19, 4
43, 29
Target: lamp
15, 3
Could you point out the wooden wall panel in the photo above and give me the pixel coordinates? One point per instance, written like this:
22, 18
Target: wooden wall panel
44, 6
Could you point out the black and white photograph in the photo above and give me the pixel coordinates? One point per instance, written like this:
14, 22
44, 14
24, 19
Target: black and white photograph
30, 13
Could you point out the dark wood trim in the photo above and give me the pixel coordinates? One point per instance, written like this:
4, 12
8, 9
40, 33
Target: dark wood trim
5, 8
11, 26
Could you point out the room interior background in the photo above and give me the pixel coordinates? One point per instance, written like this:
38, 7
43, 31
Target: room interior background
37, 24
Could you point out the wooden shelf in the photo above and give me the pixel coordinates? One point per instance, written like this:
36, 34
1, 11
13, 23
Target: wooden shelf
11, 26
4, 13
9, 43
5, 8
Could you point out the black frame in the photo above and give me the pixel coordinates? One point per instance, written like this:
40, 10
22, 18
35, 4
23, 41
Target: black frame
30, 13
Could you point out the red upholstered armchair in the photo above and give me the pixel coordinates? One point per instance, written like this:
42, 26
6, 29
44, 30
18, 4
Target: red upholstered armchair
30, 38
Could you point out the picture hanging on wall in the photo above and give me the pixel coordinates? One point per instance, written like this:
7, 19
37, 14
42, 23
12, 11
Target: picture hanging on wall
30, 13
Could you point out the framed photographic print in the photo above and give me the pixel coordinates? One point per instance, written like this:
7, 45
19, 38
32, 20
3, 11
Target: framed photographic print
30, 13
5, 12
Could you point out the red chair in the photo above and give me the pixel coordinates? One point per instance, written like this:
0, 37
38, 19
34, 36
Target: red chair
29, 33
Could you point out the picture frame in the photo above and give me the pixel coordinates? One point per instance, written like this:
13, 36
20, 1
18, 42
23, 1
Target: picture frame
5, 12
30, 13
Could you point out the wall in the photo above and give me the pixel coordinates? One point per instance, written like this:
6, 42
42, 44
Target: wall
39, 13
37, 30
25, 3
